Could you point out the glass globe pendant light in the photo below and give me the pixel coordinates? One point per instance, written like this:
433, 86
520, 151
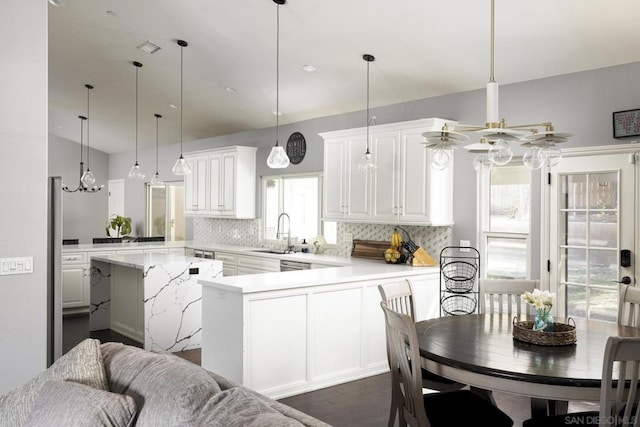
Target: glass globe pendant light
181, 167
135, 172
278, 158
366, 163
156, 177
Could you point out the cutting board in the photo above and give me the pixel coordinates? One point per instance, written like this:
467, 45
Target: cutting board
369, 249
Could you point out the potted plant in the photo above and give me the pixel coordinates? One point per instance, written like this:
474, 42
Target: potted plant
121, 225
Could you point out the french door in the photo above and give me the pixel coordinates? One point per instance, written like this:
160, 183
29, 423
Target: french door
592, 201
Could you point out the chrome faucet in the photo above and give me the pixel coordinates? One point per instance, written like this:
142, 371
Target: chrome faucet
289, 245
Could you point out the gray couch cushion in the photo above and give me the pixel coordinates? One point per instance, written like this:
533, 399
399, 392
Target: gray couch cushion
81, 364
62, 403
237, 407
168, 390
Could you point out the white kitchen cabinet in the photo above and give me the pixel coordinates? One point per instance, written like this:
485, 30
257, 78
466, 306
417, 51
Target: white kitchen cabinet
236, 265
229, 263
403, 189
346, 188
75, 282
222, 183
196, 184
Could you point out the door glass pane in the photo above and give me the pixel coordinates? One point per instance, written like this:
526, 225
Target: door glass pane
175, 226
603, 229
576, 265
603, 191
156, 210
576, 301
509, 199
506, 258
575, 226
603, 267
574, 189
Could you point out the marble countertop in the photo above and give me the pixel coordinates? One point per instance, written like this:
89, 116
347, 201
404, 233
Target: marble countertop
356, 270
142, 261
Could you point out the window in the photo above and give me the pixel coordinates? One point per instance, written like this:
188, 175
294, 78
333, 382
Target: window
300, 196
505, 206
165, 211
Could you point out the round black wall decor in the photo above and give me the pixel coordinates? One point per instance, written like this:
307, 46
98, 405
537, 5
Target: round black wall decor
296, 147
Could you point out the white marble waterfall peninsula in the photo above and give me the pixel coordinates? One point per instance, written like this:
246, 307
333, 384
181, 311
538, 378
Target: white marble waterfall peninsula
153, 298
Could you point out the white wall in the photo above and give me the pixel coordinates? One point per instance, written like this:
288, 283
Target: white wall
23, 173
84, 214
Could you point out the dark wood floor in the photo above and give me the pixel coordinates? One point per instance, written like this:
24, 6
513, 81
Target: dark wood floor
358, 403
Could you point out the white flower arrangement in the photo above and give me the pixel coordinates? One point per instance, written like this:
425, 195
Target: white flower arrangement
542, 301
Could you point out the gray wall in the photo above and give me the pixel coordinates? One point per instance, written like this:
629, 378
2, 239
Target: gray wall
23, 172
580, 103
84, 214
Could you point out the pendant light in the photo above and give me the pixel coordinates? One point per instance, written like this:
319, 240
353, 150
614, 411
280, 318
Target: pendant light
86, 177
366, 164
278, 158
181, 167
135, 172
156, 178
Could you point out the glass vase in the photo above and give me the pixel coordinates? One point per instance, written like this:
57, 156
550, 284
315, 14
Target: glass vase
543, 321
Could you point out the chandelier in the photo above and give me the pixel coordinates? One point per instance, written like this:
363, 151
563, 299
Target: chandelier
493, 148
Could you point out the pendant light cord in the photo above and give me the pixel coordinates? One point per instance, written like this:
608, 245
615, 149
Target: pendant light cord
367, 107
89, 87
137, 68
181, 79
491, 76
157, 118
277, 74
81, 141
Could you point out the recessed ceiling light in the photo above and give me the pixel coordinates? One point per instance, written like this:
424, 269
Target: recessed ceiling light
149, 47
58, 3
230, 89
112, 13
174, 106
309, 68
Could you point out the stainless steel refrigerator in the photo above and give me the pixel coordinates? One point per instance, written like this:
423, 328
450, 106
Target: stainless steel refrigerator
54, 269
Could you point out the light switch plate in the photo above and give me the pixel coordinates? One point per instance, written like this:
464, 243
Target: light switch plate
21, 265
464, 245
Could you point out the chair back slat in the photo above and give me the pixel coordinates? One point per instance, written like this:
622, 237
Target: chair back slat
619, 389
503, 295
629, 306
404, 353
398, 296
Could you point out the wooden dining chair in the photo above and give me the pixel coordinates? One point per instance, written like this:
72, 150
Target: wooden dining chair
629, 306
503, 295
451, 408
399, 297
619, 392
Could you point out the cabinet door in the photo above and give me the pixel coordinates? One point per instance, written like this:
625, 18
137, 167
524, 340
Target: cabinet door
386, 151
196, 185
75, 283
216, 203
334, 178
414, 178
357, 191
228, 183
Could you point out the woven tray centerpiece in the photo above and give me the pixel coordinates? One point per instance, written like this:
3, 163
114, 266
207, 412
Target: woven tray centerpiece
562, 334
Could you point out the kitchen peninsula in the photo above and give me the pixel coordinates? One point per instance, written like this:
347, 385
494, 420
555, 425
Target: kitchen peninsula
287, 333
153, 298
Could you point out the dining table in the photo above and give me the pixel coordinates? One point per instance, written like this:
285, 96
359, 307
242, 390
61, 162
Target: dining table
479, 350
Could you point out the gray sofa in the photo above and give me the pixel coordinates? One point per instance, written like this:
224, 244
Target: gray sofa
113, 384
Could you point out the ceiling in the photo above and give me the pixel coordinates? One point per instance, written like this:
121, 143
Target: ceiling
423, 48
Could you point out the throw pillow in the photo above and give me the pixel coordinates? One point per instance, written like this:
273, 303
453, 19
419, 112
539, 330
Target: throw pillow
81, 364
168, 390
62, 403
237, 407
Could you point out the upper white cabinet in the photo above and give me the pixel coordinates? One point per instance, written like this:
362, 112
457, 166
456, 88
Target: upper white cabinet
403, 189
346, 189
222, 183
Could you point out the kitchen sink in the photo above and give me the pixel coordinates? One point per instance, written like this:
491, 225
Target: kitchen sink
273, 251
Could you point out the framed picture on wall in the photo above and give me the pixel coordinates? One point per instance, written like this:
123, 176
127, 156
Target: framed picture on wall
626, 123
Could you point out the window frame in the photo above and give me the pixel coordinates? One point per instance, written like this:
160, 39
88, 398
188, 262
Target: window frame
484, 220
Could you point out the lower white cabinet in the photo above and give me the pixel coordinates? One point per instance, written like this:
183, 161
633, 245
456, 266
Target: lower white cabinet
286, 342
75, 282
237, 265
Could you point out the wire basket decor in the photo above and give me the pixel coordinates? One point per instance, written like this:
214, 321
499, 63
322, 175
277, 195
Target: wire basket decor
459, 276
455, 305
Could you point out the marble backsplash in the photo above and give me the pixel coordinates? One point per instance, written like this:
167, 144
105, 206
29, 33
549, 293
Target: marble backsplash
247, 233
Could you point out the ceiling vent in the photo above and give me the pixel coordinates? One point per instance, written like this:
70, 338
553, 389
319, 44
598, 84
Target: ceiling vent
149, 47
